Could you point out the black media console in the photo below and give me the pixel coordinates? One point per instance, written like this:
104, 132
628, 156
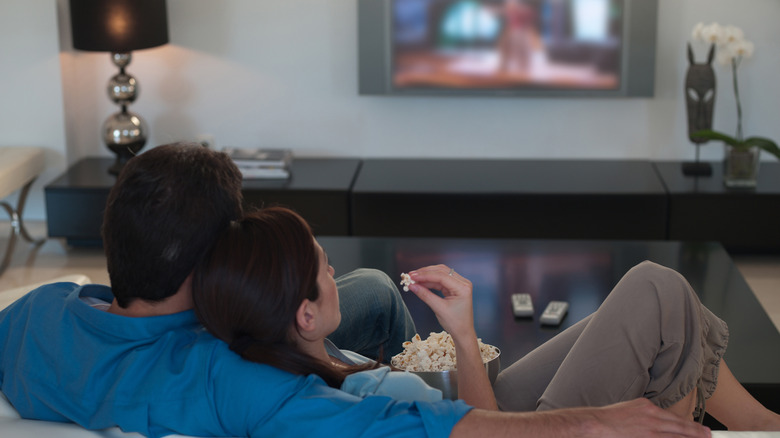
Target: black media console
538, 199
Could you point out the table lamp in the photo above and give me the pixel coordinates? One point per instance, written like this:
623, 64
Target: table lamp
119, 27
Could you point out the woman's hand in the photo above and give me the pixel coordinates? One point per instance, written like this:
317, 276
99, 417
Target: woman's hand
455, 310
456, 315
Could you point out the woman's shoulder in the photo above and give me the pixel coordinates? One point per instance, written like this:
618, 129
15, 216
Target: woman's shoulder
399, 385
346, 356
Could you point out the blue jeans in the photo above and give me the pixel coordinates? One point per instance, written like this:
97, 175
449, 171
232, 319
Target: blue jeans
374, 319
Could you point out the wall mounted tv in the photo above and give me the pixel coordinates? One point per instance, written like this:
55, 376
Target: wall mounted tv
591, 48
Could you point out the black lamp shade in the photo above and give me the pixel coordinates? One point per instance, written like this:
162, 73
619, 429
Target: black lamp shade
118, 25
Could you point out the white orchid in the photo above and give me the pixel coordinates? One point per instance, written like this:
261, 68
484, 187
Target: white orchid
732, 49
742, 48
696, 33
730, 41
731, 34
735, 51
712, 33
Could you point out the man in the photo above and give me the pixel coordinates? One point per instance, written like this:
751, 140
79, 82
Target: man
161, 219
135, 356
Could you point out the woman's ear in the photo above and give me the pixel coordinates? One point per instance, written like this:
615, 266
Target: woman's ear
305, 316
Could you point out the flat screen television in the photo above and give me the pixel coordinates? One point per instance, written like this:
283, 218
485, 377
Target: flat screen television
595, 48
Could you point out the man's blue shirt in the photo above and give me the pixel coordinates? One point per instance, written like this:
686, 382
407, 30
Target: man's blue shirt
63, 360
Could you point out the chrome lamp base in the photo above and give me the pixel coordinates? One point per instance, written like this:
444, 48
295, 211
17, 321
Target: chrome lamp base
124, 132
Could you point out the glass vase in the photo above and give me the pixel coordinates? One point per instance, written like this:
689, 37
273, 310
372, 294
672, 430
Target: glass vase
740, 167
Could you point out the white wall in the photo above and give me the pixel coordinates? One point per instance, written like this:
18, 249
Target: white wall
284, 73
30, 89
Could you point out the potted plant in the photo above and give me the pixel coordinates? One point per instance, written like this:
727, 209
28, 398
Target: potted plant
742, 154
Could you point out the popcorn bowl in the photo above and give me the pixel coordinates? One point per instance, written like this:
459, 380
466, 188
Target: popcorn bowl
447, 381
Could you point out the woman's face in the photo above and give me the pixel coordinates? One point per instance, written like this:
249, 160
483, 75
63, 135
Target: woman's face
329, 296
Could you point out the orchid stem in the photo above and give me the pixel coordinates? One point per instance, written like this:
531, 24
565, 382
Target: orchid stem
734, 66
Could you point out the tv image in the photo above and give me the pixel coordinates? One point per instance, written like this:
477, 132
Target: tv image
507, 47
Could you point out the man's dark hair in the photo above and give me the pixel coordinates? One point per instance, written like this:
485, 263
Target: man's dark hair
166, 209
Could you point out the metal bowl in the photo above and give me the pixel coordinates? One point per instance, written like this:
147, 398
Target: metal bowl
447, 381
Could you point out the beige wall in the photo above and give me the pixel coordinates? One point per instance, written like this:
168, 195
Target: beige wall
284, 73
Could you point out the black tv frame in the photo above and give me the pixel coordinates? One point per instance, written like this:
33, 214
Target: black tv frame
637, 58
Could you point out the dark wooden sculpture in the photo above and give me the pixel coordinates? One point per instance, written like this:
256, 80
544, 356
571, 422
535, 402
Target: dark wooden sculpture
700, 104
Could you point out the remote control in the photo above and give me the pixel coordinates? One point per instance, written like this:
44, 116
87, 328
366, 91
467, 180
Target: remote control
522, 306
554, 313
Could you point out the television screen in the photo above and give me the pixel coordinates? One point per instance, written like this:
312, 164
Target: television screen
507, 44
529, 48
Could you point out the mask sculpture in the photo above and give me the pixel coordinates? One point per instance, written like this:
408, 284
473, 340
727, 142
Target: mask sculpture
700, 104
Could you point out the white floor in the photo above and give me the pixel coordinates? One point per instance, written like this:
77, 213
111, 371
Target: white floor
54, 259
34, 264
763, 275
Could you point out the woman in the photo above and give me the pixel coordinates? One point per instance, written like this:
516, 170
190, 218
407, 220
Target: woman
267, 290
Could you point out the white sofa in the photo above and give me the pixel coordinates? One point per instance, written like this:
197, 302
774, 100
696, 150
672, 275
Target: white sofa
13, 426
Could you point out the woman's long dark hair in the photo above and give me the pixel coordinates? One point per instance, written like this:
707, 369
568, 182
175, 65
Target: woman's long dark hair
250, 285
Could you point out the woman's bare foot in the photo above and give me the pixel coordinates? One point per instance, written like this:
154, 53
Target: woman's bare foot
771, 421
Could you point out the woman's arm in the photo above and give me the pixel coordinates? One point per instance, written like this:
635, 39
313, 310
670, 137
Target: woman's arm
473, 383
455, 314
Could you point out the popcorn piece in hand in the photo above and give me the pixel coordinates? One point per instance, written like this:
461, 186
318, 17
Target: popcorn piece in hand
406, 280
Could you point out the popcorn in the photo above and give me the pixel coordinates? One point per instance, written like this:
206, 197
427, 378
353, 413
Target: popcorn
406, 280
437, 353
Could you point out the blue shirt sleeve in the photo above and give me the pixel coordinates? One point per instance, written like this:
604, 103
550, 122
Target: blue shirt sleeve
265, 401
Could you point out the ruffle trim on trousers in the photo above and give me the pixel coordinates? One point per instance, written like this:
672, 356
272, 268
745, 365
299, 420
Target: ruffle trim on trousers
716, 339
701, 368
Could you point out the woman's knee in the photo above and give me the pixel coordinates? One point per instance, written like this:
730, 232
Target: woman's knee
650, 287
379, 284
652, 270
665, 281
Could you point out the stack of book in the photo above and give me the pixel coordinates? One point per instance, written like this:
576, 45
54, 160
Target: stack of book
261, 163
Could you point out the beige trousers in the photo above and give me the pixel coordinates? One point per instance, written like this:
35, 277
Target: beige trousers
650, 338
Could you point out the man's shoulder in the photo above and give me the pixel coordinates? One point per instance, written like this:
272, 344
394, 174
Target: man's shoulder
228, 365
48, 291
48, 296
